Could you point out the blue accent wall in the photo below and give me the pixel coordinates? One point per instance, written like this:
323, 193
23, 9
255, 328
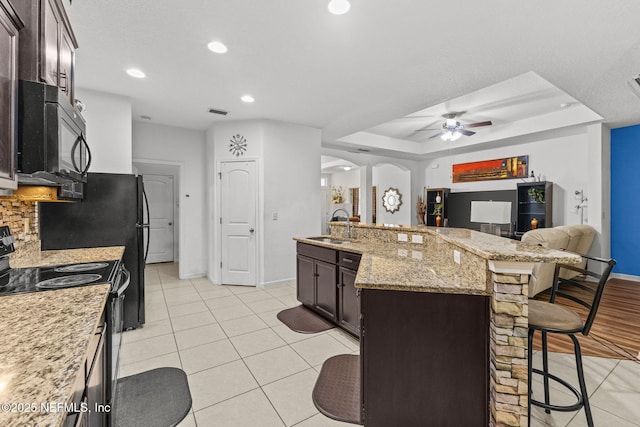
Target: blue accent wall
625, 199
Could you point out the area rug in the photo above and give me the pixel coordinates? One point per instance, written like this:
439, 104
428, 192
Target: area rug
156, 398
337, 390
301, 319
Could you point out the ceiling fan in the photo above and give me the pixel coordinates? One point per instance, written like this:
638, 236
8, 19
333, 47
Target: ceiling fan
452, 129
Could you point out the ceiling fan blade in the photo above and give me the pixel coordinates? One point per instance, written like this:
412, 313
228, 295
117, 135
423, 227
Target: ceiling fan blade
477, 125
466, 132
426, 129
437, 134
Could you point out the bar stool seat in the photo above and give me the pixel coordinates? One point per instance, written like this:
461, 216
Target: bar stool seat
552, 317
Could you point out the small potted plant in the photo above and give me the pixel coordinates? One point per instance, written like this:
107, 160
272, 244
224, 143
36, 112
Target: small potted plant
437, 211
536, 194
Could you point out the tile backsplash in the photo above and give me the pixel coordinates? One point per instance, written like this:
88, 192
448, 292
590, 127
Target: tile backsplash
22, 219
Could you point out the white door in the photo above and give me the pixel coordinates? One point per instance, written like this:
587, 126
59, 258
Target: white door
238, 205
159, 189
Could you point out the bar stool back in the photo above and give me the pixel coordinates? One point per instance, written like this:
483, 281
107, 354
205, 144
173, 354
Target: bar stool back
548, 317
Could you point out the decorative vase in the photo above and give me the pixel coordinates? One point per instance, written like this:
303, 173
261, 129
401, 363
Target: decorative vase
534, 224
438, 220
438, 198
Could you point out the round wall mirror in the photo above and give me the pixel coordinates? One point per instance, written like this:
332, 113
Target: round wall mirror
391, 200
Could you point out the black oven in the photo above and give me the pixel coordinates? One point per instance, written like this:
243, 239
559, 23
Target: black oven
51, 134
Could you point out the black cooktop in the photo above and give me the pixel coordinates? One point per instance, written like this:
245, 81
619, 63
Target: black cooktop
36, 279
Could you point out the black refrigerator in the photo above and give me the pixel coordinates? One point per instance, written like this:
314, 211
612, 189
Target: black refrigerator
112, 213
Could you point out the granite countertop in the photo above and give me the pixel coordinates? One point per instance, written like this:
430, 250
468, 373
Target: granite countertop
67, 256
428, 267
43, 345
45, 337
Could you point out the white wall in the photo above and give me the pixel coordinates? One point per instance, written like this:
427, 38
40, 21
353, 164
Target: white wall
289, 184
291, 178
385, 176
185, 149
561, 160
108, 119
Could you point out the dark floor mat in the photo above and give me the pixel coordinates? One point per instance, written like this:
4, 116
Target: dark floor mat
156, 398
337, 390
301, 319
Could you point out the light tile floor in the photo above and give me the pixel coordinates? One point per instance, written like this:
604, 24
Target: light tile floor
246, 368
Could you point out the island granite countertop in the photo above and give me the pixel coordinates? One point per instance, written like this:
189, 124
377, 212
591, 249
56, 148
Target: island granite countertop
45, 338
429, 266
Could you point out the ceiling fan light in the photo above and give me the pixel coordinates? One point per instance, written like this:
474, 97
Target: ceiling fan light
447, 135
339, 7
452, 123
455, 135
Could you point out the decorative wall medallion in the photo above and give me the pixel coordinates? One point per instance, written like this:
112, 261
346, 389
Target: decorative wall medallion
391, 200
238, 145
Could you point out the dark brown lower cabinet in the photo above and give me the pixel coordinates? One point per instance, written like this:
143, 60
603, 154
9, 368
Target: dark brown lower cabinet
305, 280
326, 284
326, 276
424, 359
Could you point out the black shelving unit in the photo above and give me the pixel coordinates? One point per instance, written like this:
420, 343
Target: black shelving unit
432, 194
538, 205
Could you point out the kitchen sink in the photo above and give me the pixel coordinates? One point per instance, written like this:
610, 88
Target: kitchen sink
328, 240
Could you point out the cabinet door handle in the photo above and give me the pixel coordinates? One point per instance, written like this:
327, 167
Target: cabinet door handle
339, 285
347, 260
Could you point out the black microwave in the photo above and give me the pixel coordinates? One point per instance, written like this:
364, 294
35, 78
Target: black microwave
51, 135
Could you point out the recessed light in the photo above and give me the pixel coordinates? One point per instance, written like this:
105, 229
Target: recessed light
247, 98
346, 168
134, 72
339, 7
217, 47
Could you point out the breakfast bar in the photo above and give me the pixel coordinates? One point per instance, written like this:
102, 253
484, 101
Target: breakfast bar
444, 323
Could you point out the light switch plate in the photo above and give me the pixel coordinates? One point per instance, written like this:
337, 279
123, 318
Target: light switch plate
416, 238
402, 237
456, 257
416, 254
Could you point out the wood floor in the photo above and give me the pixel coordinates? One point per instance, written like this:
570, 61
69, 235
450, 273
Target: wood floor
616, 330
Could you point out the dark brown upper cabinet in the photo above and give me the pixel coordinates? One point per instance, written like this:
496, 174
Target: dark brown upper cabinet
47, 44
10, 25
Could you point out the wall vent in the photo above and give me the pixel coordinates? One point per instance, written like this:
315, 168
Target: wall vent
221, 112
634, 84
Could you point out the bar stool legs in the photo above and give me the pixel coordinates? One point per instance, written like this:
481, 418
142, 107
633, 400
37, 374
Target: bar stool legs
582, 395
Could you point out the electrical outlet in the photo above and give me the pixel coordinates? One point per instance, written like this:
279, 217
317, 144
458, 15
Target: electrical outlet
416, 238
402, 237
403, 252
456, 257
416, 254
274, 216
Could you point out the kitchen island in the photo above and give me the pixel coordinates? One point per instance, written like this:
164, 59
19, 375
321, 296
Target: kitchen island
46, 340
444, 323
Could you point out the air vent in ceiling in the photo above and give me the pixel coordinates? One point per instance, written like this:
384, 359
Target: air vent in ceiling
634, 84
221, 112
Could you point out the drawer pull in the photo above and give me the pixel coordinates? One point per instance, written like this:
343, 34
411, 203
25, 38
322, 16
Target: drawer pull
347, 260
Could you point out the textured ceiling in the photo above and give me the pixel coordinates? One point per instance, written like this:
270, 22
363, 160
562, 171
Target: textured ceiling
345, 74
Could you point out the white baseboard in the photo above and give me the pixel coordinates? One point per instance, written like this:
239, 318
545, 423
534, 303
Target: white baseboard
276, 283
625, 277
191, 276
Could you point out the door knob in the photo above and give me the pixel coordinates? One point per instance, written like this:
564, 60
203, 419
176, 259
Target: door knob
251, 230
170, 223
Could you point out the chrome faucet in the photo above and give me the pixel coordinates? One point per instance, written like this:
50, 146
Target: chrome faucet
348, 222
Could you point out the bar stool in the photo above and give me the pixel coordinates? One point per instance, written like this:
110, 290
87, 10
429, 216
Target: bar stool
548, 317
